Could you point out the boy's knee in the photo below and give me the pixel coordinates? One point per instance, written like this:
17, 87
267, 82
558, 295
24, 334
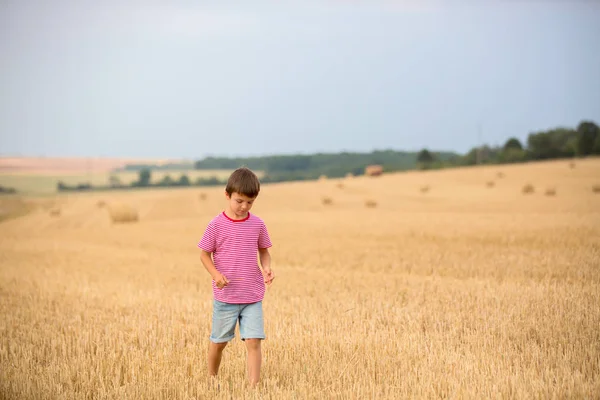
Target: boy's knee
218, 346
253, 344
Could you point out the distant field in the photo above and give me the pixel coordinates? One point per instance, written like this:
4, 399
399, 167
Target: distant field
39, 183
449, 284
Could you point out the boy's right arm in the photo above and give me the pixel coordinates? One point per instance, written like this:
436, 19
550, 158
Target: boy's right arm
220, 279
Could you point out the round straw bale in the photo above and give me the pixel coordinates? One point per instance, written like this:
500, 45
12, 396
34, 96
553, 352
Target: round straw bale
528, 189
373, 170
122, 213
370, 203
327, 201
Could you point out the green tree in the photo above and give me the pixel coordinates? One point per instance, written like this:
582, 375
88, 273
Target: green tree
555, 143
144, 177
587, 133
512, 143
425, 157
597, 145
167, 181
183, 180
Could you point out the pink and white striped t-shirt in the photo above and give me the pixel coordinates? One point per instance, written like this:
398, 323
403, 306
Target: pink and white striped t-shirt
235, 244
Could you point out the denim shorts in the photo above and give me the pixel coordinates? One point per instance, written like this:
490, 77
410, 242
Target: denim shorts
226, 316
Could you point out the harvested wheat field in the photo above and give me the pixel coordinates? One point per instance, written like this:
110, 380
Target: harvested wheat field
466, 290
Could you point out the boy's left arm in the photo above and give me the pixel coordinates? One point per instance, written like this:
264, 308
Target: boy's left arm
265, 262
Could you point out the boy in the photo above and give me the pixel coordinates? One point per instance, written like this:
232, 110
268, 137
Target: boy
233, 238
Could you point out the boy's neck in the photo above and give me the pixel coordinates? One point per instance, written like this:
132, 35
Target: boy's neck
231, 215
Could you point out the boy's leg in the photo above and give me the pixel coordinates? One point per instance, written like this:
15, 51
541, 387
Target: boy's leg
215, 353
252, 332
254, 360
223, 330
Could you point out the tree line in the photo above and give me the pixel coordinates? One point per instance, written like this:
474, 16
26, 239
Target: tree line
584, 140
561, 142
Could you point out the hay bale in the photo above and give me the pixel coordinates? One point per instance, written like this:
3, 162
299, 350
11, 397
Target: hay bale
101, 204
572, 164
424, 189
327, 201
490, 184
374, 170
370, 203
122, 213
202, 196
349, 175
596, 188
322, 178
500, 174
55, 212
339, 185
550, 192
528, 189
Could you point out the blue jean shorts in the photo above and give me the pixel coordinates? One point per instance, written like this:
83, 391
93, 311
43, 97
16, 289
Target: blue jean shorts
226, 316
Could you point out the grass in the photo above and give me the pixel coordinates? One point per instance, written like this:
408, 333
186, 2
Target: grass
36, 183
464, 293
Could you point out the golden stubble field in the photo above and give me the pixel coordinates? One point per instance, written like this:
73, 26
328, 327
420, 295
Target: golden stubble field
465, 291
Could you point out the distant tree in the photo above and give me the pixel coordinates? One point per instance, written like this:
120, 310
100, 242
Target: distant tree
183, 180
512, 155
425, 157
144, 177
555, 143
587, 133
597, 145
7, 190
513, 143
512, 151
114, 181
167, 181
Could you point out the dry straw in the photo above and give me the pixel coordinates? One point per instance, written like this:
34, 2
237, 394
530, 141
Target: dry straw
122, 213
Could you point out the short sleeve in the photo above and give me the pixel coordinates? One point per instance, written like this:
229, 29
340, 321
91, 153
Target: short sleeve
209, 239
264, 241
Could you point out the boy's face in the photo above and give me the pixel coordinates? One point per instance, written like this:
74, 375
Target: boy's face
239, 205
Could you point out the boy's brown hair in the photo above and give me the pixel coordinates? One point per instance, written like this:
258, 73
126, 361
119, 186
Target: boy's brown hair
243, 181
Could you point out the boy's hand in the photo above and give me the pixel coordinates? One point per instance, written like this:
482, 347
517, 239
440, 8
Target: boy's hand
269, 275
220, 280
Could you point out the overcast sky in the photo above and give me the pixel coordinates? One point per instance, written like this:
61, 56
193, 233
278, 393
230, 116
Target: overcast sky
186, 79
